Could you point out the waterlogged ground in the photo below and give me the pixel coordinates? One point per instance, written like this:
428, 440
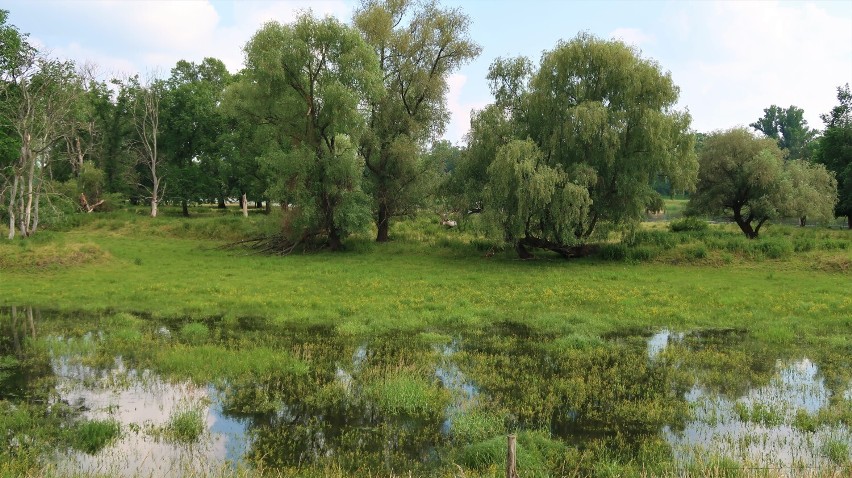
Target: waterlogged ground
226, 394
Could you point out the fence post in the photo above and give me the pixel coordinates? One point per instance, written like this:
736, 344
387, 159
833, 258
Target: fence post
511, 470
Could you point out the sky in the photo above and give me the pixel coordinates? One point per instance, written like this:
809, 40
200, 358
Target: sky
731, 59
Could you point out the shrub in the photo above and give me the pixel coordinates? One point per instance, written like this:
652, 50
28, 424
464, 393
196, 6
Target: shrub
613, 252
688, 223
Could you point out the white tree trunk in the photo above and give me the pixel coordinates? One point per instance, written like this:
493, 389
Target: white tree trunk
12, 198
245, 206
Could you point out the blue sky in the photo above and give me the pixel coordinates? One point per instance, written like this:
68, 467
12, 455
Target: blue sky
731, 59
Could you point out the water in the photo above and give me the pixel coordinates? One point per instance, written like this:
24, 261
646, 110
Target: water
391, 404
141, 402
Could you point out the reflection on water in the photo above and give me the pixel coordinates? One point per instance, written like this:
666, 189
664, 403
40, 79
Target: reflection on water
141, 401
758, 427
397, 405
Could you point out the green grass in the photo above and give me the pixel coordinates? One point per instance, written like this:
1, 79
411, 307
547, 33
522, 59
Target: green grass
165, 296
420, 285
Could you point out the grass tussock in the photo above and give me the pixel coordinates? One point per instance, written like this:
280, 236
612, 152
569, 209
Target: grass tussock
25, 256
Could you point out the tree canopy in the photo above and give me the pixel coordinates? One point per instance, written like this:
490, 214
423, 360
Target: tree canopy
317, 72
835, 150
601, 118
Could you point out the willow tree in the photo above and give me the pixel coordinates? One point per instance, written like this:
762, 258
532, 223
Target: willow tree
603, 118
418, 46
317, 72
743, 176
813, 191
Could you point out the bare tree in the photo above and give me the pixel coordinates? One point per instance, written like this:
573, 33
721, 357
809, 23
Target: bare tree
146, 119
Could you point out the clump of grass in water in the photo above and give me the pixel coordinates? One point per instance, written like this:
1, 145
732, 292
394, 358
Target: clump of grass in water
185, 425
836, 450
94, 435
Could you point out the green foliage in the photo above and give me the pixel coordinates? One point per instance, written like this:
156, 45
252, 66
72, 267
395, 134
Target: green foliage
814, 191
788, 127
598, 150
91, 436
418, 45
835, 149
688, 224
742, 176
185, 425
524, 193
194, 333
536, 451
318, 120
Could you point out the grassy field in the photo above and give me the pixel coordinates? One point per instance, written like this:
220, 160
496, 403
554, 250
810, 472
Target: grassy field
784, 296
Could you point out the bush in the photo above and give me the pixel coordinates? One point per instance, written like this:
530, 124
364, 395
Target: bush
688, 224
613, 252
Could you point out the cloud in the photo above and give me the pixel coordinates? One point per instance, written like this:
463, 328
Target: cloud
460, 108
140, 36
632, 36
759, 54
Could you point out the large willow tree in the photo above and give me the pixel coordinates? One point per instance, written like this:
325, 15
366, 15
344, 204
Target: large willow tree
418, 46
603, 124
314, 74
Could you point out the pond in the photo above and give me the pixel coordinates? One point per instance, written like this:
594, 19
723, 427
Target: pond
224, 394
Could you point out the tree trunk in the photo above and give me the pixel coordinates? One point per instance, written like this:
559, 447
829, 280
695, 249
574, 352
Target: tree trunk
382, 223
184, 207
803, 221
334, 242
849, 221
222, 204
745, 224
12, 207
244, 202
154, 192
268, 206
258, 204
522, 251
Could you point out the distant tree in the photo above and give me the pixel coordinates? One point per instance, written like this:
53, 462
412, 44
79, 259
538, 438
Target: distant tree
418, 45
602, 119
318, 73
191, 125
741, 175
788, 127
814, 191
835, 150
145, 100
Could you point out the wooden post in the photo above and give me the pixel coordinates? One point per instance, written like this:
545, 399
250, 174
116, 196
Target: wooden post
511, 470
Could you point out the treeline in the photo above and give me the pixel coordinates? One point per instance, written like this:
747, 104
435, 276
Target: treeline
339, 125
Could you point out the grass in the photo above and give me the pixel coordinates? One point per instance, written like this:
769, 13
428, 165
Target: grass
556, 346
419, 286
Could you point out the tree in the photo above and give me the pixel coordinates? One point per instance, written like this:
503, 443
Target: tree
835, 150
814, 191
788, 127
317, 73
741, 175
418, 46
192, 123
37, 94
145, 108
603, 119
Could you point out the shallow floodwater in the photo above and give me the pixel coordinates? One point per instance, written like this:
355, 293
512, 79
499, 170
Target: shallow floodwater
416, 404
140, 402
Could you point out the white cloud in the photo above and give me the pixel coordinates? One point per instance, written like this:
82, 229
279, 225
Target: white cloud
459, 108
632, 36
758, 54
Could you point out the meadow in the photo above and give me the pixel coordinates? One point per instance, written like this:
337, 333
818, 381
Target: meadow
420, 355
